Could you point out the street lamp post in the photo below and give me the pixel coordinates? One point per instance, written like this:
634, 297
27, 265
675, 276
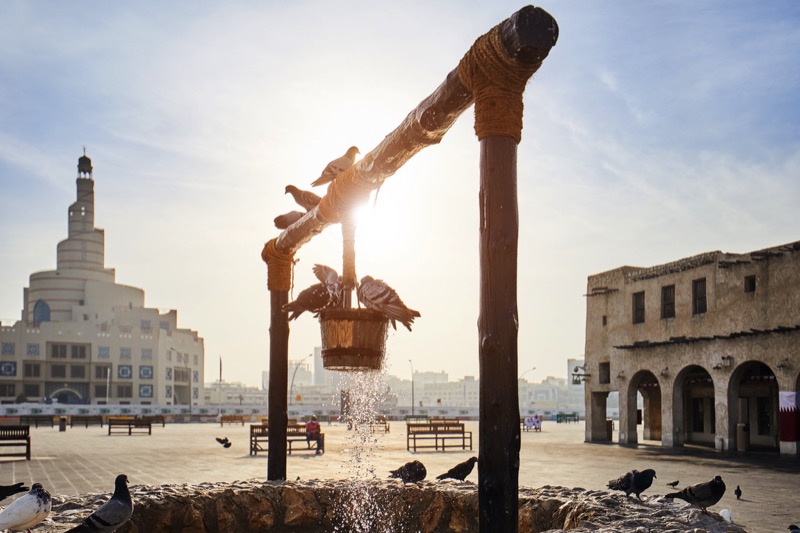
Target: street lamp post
529, 370
296, 366
412, 386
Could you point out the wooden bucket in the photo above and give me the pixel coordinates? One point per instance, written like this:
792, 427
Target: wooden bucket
353, 339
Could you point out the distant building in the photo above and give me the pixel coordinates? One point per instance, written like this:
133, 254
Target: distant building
83, 338
711, 343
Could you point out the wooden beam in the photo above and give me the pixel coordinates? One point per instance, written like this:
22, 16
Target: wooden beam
278, 381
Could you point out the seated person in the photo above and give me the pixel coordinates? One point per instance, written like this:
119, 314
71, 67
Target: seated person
528, 423
313, 433
537, 423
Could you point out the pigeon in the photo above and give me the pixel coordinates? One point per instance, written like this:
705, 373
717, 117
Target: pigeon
633, 482
26, 511
738, 493
376, 294
336, 167
10, 490
333, 283
287, 219
460, 471
727, 515
702, 495
112, 514
412, 472
223, 440
673, 484
793, 527
314, 299
227, 444
305, 199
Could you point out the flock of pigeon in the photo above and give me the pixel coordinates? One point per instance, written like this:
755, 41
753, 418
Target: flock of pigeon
27, 511
414, 471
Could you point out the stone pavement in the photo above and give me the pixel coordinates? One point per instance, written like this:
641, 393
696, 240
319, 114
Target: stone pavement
83, 460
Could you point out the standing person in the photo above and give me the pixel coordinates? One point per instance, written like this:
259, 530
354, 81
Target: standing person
313, 433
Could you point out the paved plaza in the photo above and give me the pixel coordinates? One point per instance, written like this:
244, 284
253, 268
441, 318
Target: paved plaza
82, 460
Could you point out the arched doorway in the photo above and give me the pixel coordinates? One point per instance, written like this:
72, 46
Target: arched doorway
694, 409
66, 396
753, 407
643, 384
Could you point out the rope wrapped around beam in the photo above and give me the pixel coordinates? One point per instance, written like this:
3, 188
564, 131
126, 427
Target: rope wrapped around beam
279, 267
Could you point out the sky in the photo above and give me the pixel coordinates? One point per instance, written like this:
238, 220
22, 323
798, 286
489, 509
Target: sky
652, 132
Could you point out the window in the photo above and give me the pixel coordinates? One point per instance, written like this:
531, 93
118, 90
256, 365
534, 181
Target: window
7, 389
102, 371
58, 351
31, 390
41, 313
100, 391
638, 307
699, 296
749, 284
147, 353
764, 415
32, 370
124, 391
58, 371
78, 352
145, 325
668, 301
103, 352
605, 373
77, 371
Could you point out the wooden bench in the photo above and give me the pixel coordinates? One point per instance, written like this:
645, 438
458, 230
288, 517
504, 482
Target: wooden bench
443, 433
379, 424
259, 439
231, 419
86, 420
154, 419
34, 420
567, 417
16, 436
129, 425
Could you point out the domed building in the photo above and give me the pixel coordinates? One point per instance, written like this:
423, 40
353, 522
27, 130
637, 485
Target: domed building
85, 339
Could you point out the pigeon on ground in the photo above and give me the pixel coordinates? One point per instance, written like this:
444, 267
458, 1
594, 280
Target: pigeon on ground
287, 219
26, 511
702, 495
305, 199
223, 440
633, 482
112, 514
460, 471
673, 484
314, 299
412, 472
10, 490
336, 167
376, 294
332, 281
738, 493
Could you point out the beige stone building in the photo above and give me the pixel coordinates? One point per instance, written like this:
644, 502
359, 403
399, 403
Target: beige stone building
85, 339
710, 342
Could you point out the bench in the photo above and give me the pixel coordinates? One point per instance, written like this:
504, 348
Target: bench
379, 424
34, 420
16, 436
259, 439
443, 434
567, 417
231, 419
129, 425
154, 419
86, 420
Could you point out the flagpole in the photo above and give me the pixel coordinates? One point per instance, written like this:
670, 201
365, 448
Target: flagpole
219, 408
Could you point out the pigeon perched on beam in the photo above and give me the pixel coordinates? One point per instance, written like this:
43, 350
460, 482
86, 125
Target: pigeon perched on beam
287, 219
333, 283
412, 472
702, 495
112, 514
633, 482
26, 511
10, 490
460, 471
313, 299
376, 294
336, 167
305, 199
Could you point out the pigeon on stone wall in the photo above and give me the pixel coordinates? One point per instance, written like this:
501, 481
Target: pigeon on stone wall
336, 167
26, 511
412, 472
10, 490
702, 495
460, 471
633, 482
305, 199
112, 514
287, 219
314, 299
376, 294
793, 527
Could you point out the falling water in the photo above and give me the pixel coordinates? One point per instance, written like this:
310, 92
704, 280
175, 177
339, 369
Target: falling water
358, 508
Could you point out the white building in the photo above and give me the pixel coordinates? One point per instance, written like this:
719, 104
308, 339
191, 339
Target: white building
83, 338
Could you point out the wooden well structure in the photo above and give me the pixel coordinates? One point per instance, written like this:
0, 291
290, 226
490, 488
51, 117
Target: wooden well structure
492, 75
